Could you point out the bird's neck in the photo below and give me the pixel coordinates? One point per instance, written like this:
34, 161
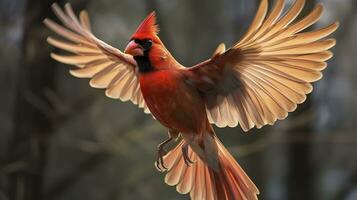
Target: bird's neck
157, 58
144, 64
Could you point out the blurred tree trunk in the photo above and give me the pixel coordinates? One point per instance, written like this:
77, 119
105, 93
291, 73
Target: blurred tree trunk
32, 117
11, 14
300, 177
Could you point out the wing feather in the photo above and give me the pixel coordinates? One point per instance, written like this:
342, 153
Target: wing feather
84, 18
274, 15
268, 72
258, 20
108, 67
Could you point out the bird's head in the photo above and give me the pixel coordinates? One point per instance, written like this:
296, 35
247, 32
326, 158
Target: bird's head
145, 43
145, 37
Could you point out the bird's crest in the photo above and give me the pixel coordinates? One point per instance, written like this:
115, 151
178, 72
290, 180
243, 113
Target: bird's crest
147, 28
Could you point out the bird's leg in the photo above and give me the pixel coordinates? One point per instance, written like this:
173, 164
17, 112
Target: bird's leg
186, 158
161, 151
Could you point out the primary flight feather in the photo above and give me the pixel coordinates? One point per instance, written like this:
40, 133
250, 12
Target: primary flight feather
257, 81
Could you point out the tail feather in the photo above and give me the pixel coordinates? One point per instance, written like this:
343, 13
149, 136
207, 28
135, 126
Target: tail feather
186, 184
238, 174
230, 182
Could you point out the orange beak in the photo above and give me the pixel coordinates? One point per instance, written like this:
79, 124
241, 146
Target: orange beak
134, 49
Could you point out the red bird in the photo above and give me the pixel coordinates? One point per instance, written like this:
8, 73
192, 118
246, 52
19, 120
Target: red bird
255, 82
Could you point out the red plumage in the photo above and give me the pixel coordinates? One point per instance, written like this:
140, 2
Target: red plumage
257, 81
147, 28
179, 106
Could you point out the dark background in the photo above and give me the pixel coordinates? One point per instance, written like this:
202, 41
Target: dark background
62, 140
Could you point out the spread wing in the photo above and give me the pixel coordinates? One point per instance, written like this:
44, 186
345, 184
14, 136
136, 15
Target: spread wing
268, 72
107, 66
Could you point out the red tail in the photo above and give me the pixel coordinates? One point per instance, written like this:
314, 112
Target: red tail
230, 182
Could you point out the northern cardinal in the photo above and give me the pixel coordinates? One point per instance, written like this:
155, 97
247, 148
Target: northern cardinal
253, 83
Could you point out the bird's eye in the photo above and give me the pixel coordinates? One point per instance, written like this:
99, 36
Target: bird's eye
147, 44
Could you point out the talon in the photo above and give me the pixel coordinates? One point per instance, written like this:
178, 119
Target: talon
160, 160
188, 161
162, 163
186, 158
161, 152
157, 165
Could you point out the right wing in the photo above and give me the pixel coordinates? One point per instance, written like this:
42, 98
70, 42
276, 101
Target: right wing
107, 66
265, 75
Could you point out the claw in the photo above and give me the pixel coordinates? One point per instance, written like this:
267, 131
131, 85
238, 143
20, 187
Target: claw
161, 152
186, 158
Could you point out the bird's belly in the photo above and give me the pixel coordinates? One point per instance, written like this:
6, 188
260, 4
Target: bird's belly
172, 102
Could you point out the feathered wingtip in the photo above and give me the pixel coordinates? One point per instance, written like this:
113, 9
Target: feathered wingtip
148, 27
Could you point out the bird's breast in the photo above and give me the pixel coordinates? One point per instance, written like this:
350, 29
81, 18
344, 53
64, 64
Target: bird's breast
174, 103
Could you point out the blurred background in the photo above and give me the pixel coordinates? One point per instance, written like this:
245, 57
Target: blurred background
62, 140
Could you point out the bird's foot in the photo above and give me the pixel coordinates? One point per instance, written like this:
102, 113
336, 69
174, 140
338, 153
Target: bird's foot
161, 152
186, 158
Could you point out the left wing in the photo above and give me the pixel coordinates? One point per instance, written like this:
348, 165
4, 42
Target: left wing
107, 66
267, 73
